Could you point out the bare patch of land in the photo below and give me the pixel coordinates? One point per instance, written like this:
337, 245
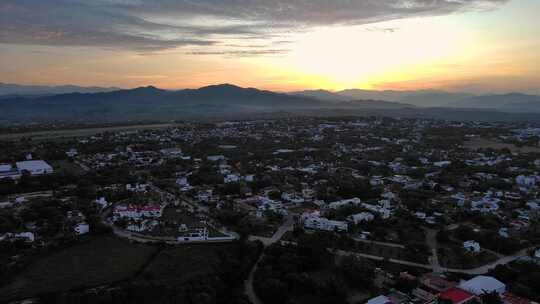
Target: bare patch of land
56, 134
486, 143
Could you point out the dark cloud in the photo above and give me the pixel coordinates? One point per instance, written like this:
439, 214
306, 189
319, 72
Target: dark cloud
147, 25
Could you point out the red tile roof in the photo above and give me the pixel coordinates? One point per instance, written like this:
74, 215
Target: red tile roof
456, 295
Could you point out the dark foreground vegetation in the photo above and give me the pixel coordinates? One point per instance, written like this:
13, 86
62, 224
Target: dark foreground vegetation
109, 270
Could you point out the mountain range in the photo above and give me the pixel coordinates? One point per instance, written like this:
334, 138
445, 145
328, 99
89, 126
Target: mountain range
226, 100
512, 102
9, 89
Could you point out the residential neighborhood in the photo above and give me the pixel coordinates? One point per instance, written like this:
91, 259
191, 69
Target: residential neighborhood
371, 210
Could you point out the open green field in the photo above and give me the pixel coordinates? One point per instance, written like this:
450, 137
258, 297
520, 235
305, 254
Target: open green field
57, 134
101, 260
485, 143
174, 266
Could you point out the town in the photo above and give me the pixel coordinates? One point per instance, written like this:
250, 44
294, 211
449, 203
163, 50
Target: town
370, 210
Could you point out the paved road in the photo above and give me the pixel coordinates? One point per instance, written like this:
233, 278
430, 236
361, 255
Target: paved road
380, 243
473, 271
287, 225
83, 166
248, 284
486, 268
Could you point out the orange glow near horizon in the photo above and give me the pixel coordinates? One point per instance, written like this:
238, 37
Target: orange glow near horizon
452, 52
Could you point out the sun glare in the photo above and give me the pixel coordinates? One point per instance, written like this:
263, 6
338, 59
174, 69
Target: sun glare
344, 57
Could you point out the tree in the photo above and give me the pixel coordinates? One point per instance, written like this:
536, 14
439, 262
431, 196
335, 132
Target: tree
491, 298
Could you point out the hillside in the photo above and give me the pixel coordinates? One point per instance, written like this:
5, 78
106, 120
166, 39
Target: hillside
513, 102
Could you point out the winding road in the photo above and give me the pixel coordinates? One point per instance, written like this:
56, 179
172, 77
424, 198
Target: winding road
287, 225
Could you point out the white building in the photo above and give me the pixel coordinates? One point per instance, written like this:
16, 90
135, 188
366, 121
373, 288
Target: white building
81, 228
472, 246
205, 196
231, 178
526, 181
137, 211
28, 237
102, 203
361, 217
215, 158
380, 300
5, 168
137, 187
142, 225
292, 198
483, 284
321, 223
7, 171
503, 232
271, 206
486, 204
34, 167
72, 152
343, 203
183, 184
171, 152
193, 234
443, 163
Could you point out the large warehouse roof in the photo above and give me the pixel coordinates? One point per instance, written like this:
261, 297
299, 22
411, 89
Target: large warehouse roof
33, 165
482, 284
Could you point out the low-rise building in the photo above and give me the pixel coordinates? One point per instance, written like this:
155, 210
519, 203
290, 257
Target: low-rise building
457, 296
483, 284
34, 167
361, 217
81, 228
472, 246
321, 223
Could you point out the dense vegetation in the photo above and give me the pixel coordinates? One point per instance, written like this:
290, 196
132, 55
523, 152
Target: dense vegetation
130, 273
308, 273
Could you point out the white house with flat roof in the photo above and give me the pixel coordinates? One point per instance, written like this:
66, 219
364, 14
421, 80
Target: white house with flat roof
7, 171
34, 167
472, 246
483, 284
321, 223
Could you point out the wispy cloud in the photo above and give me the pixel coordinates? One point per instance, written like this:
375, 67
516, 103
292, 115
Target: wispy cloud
153, 25
241, 53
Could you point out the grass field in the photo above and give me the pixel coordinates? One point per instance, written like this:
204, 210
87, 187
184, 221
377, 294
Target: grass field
484, 143
57, 134
172, 267
67, 167
98, 261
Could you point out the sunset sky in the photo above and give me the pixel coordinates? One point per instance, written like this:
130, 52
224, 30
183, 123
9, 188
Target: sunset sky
480, 46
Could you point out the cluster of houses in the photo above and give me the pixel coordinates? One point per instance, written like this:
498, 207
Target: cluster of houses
434, 289
315, 220
297, 167
138, 217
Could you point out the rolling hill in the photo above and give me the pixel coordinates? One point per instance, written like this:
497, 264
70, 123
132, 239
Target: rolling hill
227, 101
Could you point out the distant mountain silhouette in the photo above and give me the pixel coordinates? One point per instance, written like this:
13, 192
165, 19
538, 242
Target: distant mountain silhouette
514, 102
150, 103
28, 90
226, 100
421, 98
323, 95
